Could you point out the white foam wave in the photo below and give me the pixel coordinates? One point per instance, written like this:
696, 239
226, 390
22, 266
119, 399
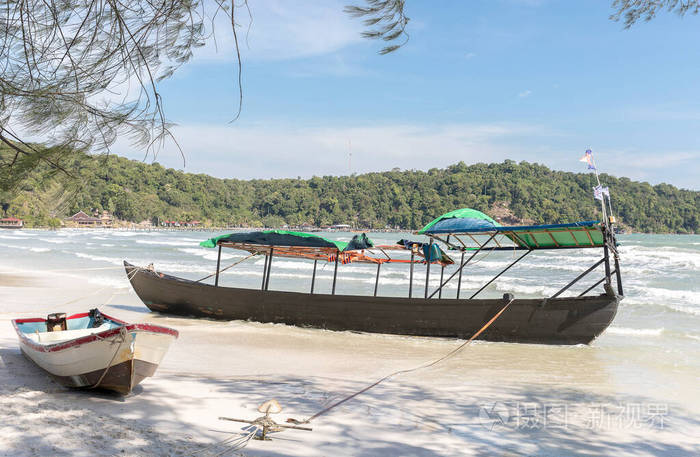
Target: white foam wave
166, 242
635, 331
25, 248
515, 287
97, 258
114, 283
663, 296
665, 255
16, 235
208, 254
694, 310
54, 240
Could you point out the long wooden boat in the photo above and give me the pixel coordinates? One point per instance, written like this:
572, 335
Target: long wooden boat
557, 319
93, 350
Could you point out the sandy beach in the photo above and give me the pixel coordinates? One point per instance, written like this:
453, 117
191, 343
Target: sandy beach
490, 399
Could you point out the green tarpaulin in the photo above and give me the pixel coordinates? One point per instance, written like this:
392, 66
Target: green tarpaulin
462, 219
287, 238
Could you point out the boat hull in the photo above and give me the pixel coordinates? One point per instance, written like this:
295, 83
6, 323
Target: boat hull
576, 320
116, 359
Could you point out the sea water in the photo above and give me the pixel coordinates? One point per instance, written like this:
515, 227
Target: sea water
652, 348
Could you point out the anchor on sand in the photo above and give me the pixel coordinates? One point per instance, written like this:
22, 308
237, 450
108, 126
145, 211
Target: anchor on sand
265, 423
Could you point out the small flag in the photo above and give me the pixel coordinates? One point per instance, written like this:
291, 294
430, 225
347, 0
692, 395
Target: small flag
599, 191
588, 158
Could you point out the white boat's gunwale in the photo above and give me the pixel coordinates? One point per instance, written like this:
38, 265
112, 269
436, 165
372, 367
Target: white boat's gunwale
59, 346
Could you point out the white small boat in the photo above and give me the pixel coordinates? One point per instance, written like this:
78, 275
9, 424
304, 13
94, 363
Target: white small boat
93, 350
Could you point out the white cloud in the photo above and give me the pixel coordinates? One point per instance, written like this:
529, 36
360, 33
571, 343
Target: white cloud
273, 151
469, 55
525, 93
680, 168
282, 30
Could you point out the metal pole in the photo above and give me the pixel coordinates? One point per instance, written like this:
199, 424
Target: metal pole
376, 283
593, 286
442, 275
499, 274
269, 267
459, 270
410, 276
427, 269
459, 281
262, 287
606, 257
335, 272
218, 264
313, 277
617, 274
593, 267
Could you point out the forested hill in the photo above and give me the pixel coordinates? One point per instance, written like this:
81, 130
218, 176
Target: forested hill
516, 192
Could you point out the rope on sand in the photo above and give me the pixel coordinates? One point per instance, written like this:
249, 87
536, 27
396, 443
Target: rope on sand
398, 372
238, 442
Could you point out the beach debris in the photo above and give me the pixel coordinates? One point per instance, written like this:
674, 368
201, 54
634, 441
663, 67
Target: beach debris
265, 424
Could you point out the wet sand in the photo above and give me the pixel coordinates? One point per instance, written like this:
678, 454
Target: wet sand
490, 399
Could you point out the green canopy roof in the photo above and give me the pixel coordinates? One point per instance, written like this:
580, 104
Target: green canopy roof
465, 218
287, 238
551, 236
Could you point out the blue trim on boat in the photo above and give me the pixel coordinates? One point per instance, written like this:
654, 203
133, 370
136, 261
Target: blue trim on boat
468, 227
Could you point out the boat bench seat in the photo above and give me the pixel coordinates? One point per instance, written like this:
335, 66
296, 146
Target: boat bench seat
65, 335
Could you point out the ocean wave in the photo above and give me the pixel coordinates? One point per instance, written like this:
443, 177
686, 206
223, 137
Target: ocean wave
694, 310
578, 265
635, 331
666, 255
659, 294
25, 248
16, 235
127, 234
114, 283
97, 258
539, 290
681, 301
209, 255
166, 242
54, 240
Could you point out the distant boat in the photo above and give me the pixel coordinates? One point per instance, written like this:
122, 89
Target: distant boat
93, 350
11, 223
558, 319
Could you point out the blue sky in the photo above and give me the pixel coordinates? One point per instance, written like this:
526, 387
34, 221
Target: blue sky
478, 81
